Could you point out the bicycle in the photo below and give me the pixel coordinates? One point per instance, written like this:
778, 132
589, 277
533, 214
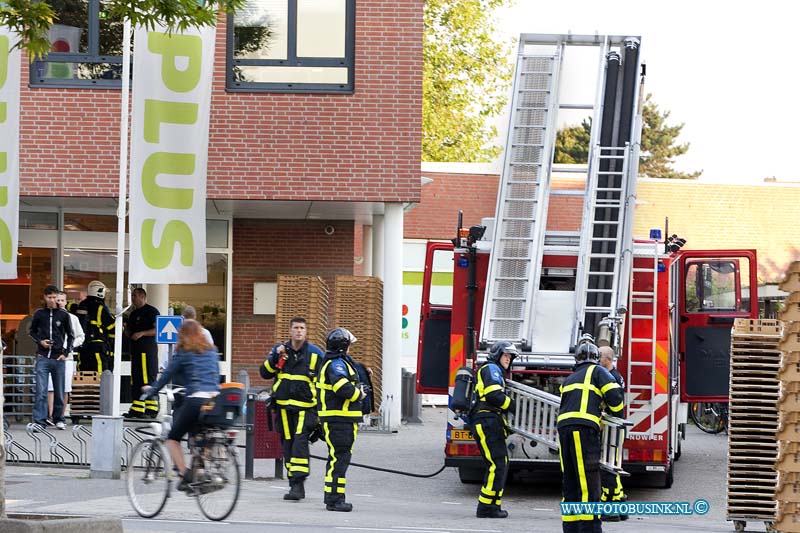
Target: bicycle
710, 417
214, 463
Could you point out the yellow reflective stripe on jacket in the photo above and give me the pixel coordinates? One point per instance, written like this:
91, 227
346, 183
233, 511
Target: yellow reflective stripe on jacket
587, 387
492, 388
269, 367
296, 403
576, 414
341, 412
506, 403
609, 386
339, 384
294, 377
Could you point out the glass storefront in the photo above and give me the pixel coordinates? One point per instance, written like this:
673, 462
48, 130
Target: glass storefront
85, 250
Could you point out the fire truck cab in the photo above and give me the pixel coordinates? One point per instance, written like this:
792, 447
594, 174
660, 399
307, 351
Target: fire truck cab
665, 310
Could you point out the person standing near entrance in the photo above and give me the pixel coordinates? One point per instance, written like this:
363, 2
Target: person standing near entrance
52, 333
294, 365
69, 364
141, 329
98, 326
340, 412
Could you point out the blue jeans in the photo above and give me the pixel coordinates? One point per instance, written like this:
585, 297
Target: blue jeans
49, 367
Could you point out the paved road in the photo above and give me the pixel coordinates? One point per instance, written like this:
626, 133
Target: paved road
382, 501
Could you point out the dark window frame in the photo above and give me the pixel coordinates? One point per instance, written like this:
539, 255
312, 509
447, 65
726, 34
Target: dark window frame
93, 44
292, 60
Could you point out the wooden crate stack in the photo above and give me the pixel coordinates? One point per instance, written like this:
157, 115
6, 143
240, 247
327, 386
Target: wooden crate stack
85, 395
787, 492
753, 419
359, 308
305, 296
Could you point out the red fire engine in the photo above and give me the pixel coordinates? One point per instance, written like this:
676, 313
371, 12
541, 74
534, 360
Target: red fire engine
666, 311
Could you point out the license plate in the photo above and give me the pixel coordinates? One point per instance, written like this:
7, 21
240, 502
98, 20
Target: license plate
460, 434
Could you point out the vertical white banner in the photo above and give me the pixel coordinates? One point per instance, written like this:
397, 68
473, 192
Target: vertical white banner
169, 154
9, 153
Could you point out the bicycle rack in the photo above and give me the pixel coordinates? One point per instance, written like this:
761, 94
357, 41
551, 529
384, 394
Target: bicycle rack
53, 444
130, 443
81, 433
11, 444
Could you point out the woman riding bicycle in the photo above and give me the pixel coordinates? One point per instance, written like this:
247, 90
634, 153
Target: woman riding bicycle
196, 364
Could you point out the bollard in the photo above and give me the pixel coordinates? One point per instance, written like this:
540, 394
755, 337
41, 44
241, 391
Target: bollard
106, 393
106, 447
411, 407
249, 441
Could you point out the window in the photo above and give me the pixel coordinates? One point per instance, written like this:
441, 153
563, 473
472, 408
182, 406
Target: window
292, 45
716, 286
86, 47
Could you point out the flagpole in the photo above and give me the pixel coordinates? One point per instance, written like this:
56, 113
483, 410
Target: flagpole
121, 208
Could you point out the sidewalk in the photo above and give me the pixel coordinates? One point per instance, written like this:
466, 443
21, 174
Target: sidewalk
383, 500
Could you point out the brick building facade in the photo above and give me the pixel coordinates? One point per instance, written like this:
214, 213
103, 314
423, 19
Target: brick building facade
283, 166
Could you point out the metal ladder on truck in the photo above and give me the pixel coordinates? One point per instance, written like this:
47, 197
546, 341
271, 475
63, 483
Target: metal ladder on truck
521, 213
535, 414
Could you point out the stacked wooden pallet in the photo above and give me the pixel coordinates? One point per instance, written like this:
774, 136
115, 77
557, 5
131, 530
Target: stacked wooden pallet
787, 492
85, 395
307, 297
754, 391
359, 308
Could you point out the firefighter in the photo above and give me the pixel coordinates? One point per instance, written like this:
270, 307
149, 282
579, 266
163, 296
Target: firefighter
141, 329
340, 412
489, 426
611, 484
582, 394
294, 365
96, 352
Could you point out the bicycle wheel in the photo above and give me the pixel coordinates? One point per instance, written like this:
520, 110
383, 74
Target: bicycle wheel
147, 477
707, 417
218, 487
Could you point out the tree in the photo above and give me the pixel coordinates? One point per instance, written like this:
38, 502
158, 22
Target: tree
465, 80
658, 144
31, 19
658, 148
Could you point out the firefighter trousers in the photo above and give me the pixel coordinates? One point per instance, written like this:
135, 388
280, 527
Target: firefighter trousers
93, 357
490, 434
340, 437
144, 370
610, 487
579, 452
295, 427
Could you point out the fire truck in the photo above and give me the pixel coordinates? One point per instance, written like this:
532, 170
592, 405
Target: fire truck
667, 311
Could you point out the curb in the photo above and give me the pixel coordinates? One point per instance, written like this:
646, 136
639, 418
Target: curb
34, 523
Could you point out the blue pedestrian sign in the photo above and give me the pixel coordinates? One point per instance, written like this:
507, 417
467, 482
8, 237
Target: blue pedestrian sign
167, 328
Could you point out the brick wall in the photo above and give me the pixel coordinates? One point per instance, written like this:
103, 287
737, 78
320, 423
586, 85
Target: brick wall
262, 249
359, 147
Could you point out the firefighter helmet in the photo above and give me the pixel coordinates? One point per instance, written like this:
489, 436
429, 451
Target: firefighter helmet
501, 347
97, 289
587, 351
338, 341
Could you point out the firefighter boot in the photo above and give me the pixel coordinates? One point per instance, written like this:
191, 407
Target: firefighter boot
490, 511
297, 490
339, 505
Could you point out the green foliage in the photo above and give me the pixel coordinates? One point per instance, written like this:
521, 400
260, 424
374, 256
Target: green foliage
465, 78
658, 148
572, 143
31, 18
658, 144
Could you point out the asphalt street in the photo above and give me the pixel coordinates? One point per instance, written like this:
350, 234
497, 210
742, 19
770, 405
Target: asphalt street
382, 501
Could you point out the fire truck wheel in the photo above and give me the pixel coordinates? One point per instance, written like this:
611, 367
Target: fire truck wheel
668, 478
679, 450
470, 475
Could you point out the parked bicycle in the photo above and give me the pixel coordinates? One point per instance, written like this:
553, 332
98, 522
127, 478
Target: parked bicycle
215, 467
710, 417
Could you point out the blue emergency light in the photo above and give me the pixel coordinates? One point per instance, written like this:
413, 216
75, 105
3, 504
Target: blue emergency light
655, 234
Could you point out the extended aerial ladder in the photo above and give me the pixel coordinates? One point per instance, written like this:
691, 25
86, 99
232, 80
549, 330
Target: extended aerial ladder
515, 307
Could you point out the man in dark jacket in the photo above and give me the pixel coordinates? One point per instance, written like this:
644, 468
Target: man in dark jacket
52, 333
611, 484
294, 365
340, 412
141, 329
583, 394
98, 324
489, 426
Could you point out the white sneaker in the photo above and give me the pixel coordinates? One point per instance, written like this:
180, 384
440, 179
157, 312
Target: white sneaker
61, 425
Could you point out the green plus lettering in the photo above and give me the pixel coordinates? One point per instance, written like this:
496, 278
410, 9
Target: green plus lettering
171, 47
159, 257
3, 60
157, 112
167, 163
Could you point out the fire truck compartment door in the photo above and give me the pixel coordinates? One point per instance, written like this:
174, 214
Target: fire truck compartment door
707, 361
555, 317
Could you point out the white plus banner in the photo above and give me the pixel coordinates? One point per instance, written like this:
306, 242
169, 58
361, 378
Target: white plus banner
9, 153
169, 154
